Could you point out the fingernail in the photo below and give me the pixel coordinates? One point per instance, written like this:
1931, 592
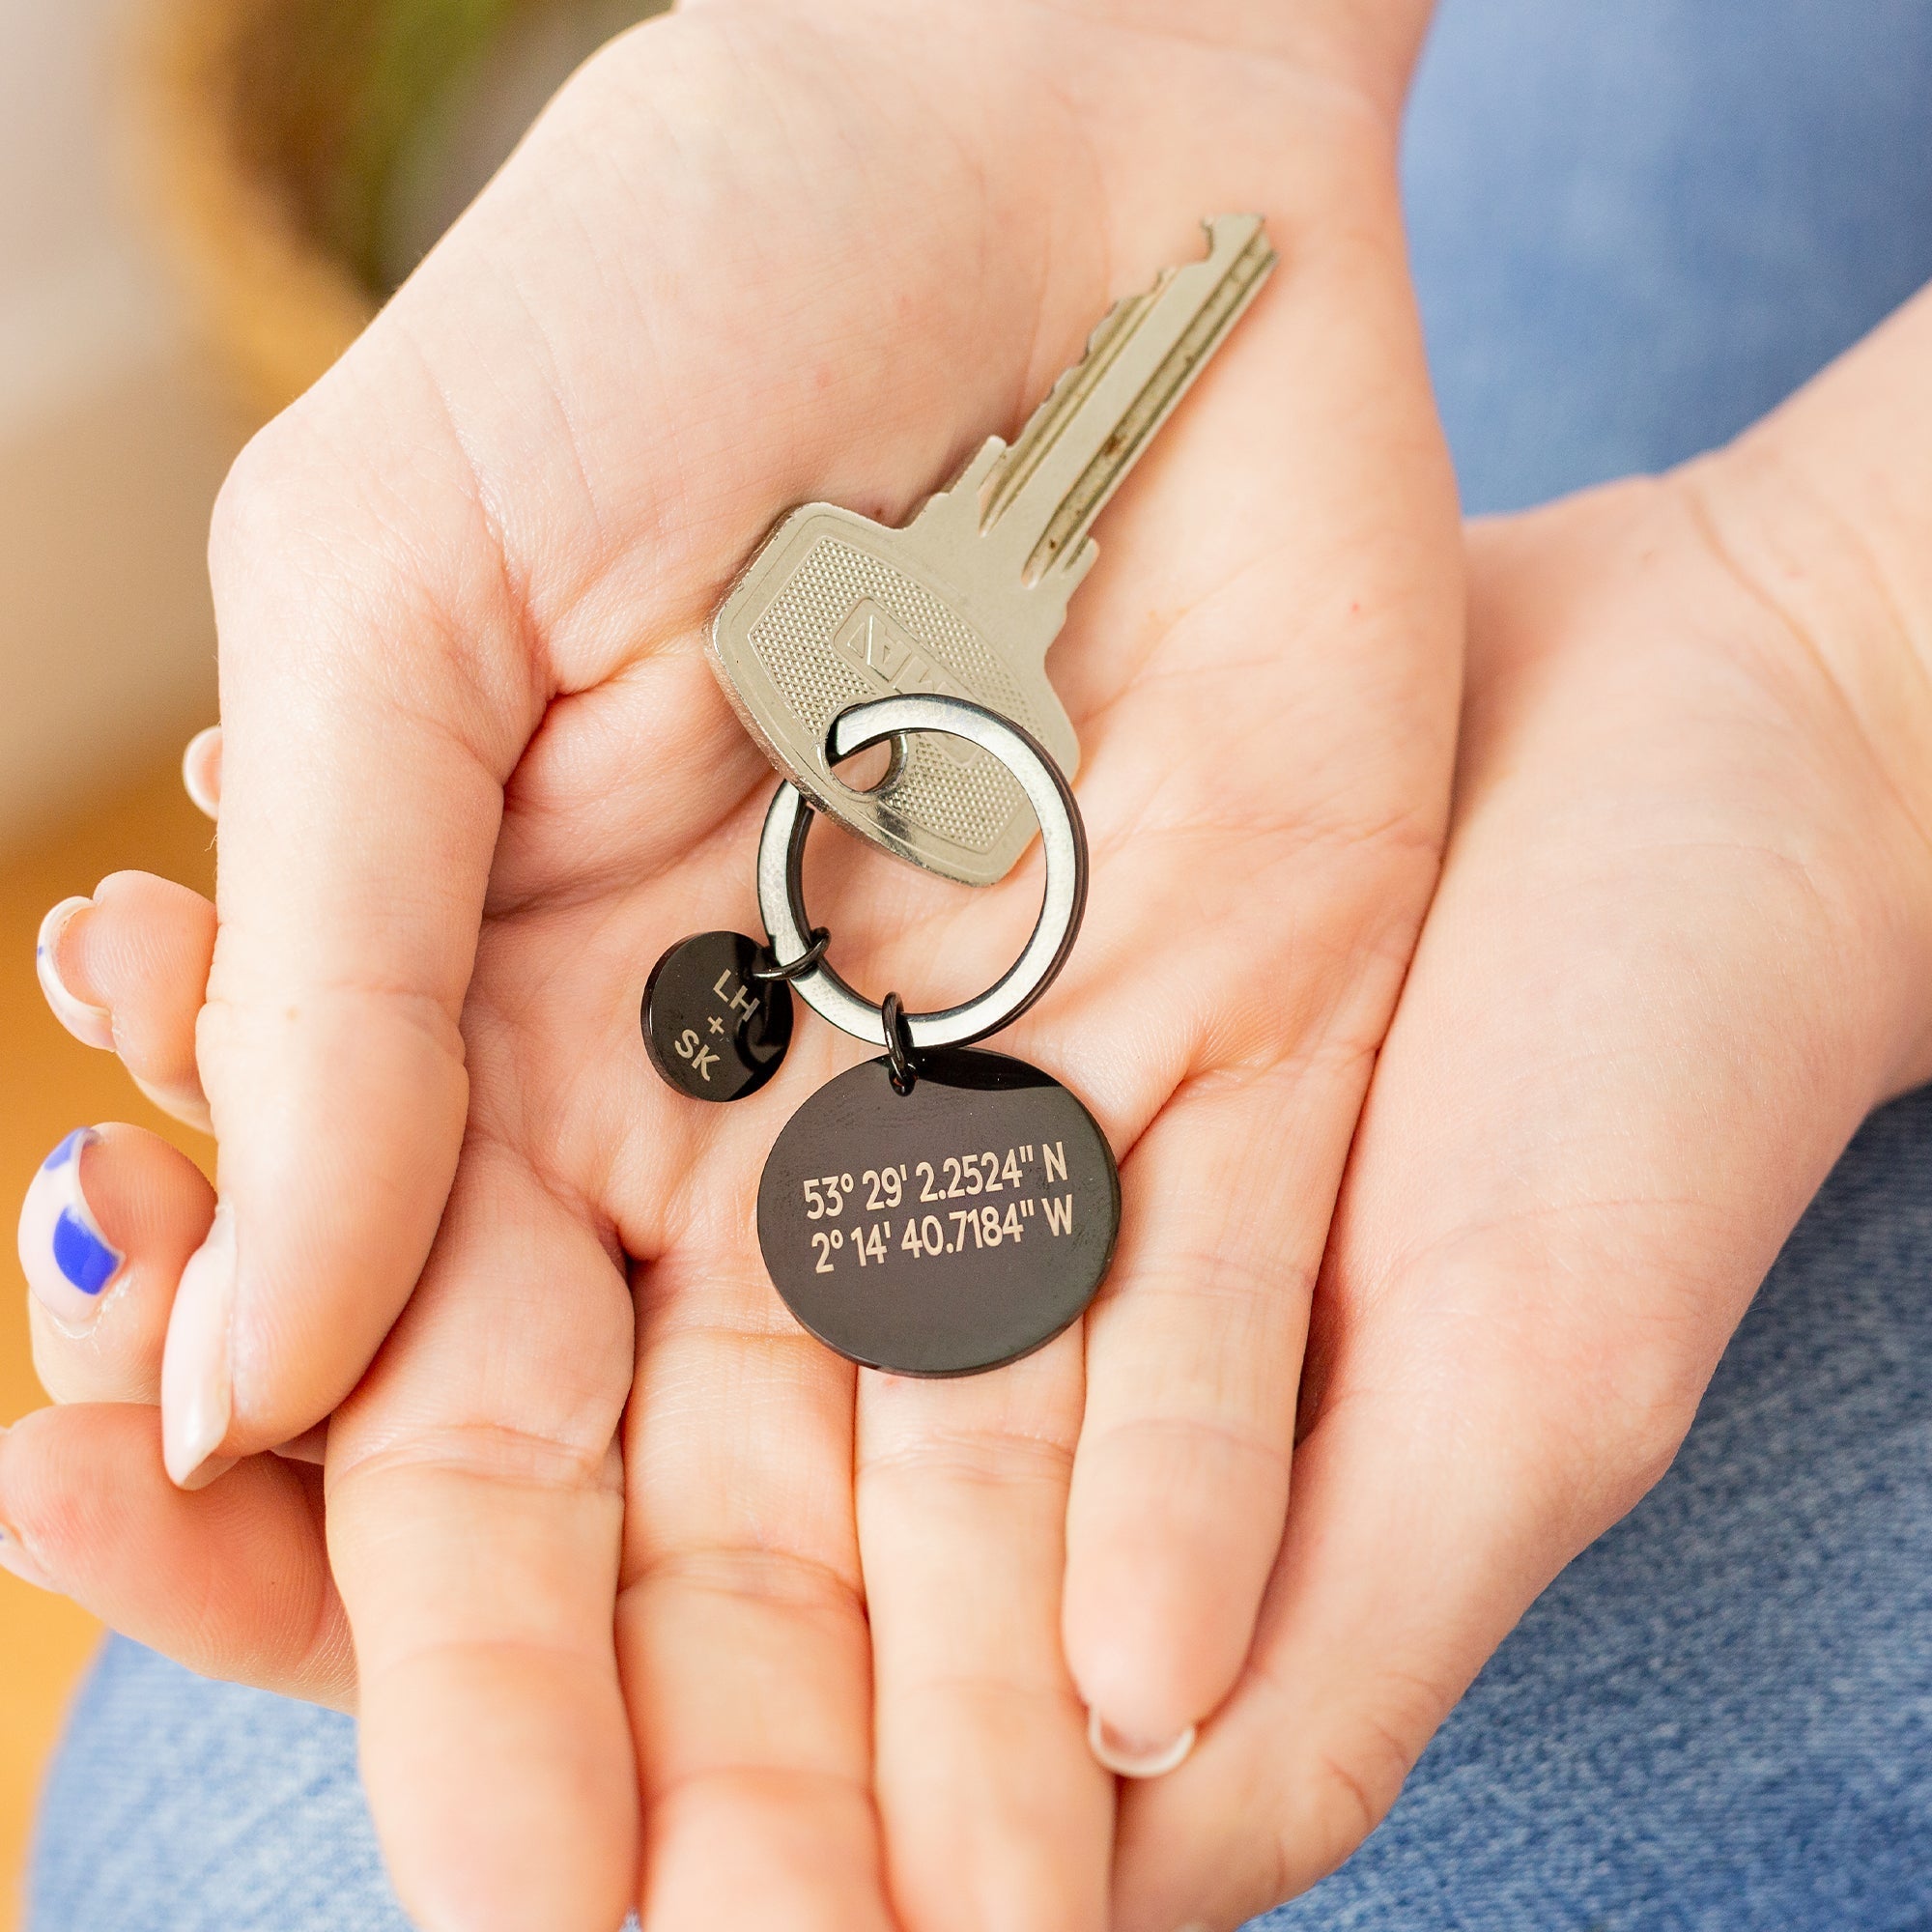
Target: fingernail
1130, 1757
91, 1026
310, 1446
14, 1556
201, 770
68, 1263
197, 1384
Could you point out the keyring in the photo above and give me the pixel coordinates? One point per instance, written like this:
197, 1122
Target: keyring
1062, 836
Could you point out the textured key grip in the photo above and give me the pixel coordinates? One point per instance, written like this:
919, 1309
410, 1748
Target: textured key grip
835, 611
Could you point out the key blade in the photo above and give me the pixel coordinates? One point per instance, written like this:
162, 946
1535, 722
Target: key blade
1040, 498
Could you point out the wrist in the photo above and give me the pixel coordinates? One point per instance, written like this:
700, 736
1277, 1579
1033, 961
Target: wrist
1364, 50
1371, 45
1823, 544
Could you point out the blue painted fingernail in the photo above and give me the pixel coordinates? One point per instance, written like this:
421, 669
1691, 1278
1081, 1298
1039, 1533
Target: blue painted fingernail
68, 1263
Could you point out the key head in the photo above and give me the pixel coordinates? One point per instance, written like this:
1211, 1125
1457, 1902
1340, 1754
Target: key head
965, 599
836, 609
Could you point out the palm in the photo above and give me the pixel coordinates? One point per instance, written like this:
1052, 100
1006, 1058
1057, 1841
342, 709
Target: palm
750, 261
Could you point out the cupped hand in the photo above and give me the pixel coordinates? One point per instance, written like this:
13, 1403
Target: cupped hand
627, 1558
1682, 945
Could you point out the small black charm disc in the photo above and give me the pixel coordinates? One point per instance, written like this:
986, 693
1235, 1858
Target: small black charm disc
944, 1231
713, 1030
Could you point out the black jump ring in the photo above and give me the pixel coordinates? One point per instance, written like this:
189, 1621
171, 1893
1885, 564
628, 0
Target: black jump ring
902, 1064
806, 962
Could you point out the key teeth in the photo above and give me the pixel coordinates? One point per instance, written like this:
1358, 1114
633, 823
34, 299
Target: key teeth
958, 501
979, 468
1230, 238
1252, 225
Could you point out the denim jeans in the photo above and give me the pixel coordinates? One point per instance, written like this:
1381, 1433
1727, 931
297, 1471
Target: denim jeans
1637, 223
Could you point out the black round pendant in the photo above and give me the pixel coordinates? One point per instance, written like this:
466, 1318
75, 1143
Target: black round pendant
713, 1030
945, 1230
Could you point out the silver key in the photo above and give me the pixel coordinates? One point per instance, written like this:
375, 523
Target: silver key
836, 609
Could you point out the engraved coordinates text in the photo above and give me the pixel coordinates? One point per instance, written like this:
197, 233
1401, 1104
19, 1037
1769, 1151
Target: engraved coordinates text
1025, 1175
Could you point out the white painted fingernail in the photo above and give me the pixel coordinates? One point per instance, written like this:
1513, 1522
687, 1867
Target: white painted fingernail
91, 1026
1129, 1758
201, 771
197, 1382
68, 1263
15, 1556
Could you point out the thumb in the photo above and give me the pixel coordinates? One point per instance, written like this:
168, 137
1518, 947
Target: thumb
1626, 1056
362, 792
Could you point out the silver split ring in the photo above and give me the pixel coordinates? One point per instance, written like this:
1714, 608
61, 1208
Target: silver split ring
781, 864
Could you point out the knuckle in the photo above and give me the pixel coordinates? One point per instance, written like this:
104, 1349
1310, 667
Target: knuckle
498, 1455
1201, 1459
1354, 1783
1590, 1394
1358, 1784
1609, 1413
972, 1459
791, 1581
261, 496
1639, 1429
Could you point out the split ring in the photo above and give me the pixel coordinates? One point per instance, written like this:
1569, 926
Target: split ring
782, 864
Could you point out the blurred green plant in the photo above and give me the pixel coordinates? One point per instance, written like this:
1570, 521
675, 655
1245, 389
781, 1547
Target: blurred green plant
306, 154
331, 99
416, 51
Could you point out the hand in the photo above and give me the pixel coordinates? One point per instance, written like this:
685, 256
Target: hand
475, 775
1682, 945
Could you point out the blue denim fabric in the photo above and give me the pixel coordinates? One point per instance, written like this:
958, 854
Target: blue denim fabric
1718, 1719
1637, 223
181, 1806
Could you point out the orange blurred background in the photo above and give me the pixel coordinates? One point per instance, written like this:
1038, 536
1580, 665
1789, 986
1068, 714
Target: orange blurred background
48, 1084
114, 429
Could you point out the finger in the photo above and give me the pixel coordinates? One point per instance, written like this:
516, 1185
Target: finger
127, 970
1313, 873
742, 1624
360, 791
1397, 1576
1193, 1358
233, 1582
110, 1219
201, 771
995, 1811
473, 1518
